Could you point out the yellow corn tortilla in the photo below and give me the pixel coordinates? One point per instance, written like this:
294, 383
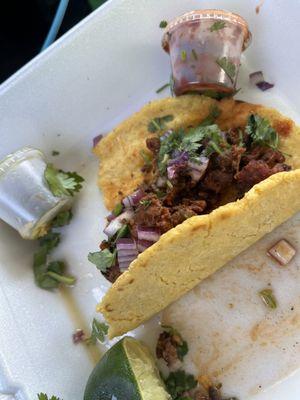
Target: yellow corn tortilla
195, 249
120, 151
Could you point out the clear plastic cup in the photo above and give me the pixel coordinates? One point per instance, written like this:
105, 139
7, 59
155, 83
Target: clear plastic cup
205, 48
26, 203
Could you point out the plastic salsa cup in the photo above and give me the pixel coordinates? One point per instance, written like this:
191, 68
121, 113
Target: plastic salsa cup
205, 48
26, 203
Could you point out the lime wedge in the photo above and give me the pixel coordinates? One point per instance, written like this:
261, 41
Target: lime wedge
126, 371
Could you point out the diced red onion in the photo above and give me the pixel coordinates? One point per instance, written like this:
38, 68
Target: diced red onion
142, 245
264, 85
96, 140
133, 199
148, 234
257, 78
166, 134
161, 182
171, 171
117, 223
282, 252
126, 244
127, 252
110, 217
179, 161
124, 265
198, 170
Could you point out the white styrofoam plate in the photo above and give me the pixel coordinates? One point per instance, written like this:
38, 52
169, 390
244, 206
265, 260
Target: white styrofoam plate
97, 74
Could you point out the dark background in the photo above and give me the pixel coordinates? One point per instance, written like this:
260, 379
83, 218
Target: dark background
24, 25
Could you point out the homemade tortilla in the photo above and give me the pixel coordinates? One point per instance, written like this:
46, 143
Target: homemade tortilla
195, 249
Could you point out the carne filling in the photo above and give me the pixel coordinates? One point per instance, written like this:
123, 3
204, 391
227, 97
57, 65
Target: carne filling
196, 170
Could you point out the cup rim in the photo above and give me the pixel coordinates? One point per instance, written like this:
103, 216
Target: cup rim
196, 15
18, 156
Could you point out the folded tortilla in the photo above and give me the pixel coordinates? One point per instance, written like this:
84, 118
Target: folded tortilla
198, 247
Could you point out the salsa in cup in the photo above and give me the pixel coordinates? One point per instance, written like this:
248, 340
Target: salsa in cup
205, 48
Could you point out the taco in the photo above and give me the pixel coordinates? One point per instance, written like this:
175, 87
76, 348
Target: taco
192, 182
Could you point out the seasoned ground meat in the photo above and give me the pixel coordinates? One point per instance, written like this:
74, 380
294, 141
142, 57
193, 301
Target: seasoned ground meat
155, 215
256, 171
273, 157
167, 346
214, 393
112, 273
217, 180
188, 208
153, 144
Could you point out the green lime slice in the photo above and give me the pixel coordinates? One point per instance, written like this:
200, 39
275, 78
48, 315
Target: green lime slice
127, 371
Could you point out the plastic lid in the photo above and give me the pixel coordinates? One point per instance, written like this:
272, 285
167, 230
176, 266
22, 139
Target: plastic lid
207, 14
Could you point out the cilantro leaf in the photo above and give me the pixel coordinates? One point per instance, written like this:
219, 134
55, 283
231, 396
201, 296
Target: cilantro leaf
165, 86
102, 259
216, 26
192, 142
49, 276
261, 132
179, 382
159, 123
62, 219
145, 203
228, 67
62, 183
146, 157
163, 24
99, 330
212, 116
118, 209
50, 240
55, 270
43, 396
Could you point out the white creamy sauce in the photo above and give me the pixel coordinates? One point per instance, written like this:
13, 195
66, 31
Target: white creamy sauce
232, 336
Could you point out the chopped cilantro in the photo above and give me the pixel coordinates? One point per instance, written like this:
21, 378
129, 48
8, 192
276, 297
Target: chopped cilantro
55, 153
49, 276
146, 157
55, 270
99, 330
165, 86
182, 349
62, 183
228, 67
43, 396
118, 209
50, 240
163, 24
102, 259
212, 116
191, 143
261, 132
194, 54
179, 382
122, 232
159, 123
62, 219
183, 55
145, 203
172, 83
169, 184
216, 26
268, 298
